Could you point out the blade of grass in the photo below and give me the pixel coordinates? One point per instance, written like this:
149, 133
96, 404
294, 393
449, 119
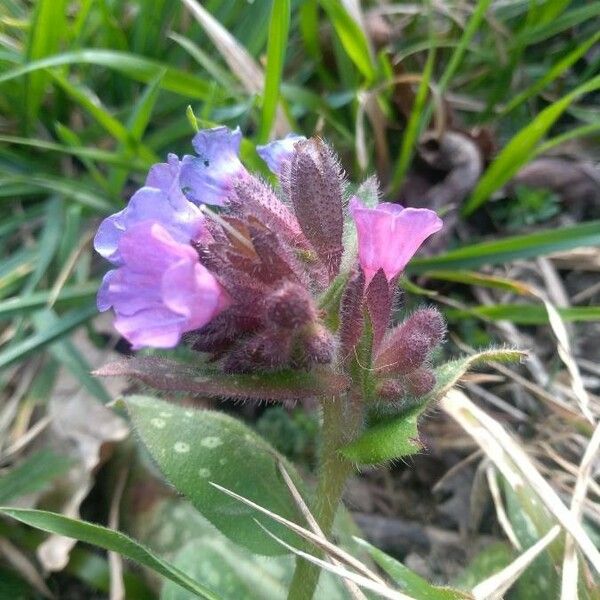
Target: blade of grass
551, 74
481, 279
81, 152
47, 29
516, 467
415, 125
525, 314
136, 126
137, 67
34, 184
33, 474
108, 539
499, 583
211, 66
40, 339
352, 37
522, 146
572, 18
91, 104
70, 357
572, 134
279, 26
69, 295
511, 248
470, 30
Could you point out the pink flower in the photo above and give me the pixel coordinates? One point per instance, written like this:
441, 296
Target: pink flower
389, 235
161, 290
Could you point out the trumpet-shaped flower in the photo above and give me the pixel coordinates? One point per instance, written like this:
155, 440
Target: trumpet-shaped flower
209, 178
389, 235
278, 152
161, 290
161, 201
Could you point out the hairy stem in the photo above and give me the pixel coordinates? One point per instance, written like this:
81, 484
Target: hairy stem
340, 420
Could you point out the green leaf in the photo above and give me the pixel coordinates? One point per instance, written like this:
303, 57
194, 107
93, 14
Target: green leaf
470, 30
70, 357
511, 248
551, 74
522, 146
525, 314
195, 447
108, 539
47, 28
542, 31
68, 295
279, 26
136, 67
103, 156
415, 124
46, 336
32, 475
481, 279
484, 564
408, 581
352, 36
398, 436
173, 376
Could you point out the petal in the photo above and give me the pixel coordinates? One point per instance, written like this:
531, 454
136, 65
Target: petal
389, 235
148, 247
163, 175
209, 144
410, 229
277, 152
103, 299
106, 240
190, 290
155, 327
178, 216
174, 212
209, 178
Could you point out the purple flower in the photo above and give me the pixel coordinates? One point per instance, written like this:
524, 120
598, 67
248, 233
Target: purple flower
160, 200
209, 177
389, 235
277, 152
161, 291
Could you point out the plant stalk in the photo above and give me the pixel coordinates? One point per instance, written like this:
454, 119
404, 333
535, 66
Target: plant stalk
340, 419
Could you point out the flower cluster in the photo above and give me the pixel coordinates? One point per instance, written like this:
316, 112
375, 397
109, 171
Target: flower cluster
209, 254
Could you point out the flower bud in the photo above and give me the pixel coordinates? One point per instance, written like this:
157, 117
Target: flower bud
391, 389
318, 346
421, 381
408, 345
290, 307
267, 351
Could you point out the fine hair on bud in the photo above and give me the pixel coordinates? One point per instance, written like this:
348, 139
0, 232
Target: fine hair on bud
266, 351
421, 381
318, 346
408, 345
430, 323
391, 390
290, 307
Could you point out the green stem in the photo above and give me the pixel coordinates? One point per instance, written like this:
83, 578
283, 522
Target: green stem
340, 419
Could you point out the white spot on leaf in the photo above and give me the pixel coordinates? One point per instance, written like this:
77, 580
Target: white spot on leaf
181, 447
158, 423
211, 442
204, 472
